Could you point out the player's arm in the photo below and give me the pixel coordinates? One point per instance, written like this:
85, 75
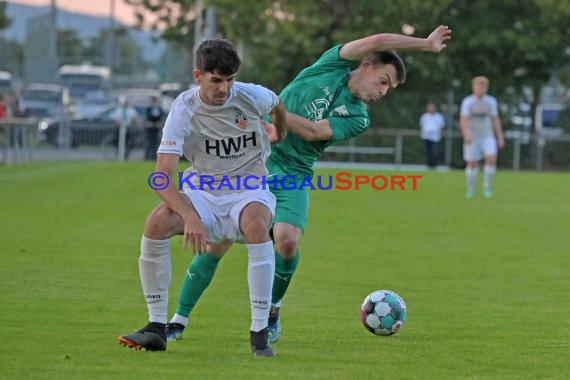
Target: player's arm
496, 120
194, 231
309, 130
279, 117
168, 163
465, 131
361, 48
464, 121
497, 125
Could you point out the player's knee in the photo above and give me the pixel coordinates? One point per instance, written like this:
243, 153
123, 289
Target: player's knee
162, 223
255, 231
287, 246
153, 228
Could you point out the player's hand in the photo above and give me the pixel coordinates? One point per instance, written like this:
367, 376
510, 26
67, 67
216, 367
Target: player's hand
437, 40
467, 139
195, 234
271, 132
501, 142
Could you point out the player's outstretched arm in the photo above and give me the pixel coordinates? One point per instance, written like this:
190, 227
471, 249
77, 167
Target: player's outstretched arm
279, 117
194, 231
359, 49
309, 130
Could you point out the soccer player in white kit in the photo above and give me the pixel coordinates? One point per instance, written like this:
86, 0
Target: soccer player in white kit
217, 127
482, 133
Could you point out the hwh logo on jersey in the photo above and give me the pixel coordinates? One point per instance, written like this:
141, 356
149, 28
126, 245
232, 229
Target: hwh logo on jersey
230, 145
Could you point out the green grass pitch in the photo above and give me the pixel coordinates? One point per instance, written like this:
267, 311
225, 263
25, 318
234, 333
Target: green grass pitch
486, 282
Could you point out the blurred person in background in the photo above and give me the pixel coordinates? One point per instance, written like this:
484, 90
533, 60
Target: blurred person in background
154, 116
431, 124
15, 110
482, 134
3, 108
126, 117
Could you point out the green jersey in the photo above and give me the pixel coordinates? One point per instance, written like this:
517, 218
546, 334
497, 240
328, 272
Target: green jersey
319, 92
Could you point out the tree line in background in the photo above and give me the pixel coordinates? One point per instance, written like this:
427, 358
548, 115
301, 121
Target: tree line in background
4, 21
520, 46
73, 50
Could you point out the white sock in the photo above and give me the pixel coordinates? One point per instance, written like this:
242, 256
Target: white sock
471, 175
155, 272
177, 318
489, 171
278, 304
260, 272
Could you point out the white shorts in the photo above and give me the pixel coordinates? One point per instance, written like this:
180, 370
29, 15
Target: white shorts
480, 148
220, 213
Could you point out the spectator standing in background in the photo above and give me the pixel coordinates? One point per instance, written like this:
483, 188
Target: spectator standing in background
127, 120
432, 124
154, 116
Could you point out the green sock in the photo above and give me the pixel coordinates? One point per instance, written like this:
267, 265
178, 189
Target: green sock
197, 278
284, 270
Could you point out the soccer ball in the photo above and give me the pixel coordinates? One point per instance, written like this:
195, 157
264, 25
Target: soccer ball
383, 312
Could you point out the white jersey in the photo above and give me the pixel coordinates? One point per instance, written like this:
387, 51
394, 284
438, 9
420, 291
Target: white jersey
225, 143
480, 112
431, 125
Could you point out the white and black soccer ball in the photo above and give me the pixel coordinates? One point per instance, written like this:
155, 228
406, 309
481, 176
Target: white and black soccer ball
383, 312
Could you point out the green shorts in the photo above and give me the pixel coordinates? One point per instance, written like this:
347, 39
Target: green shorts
292, 206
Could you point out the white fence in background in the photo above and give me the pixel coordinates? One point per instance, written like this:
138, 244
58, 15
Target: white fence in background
400, 147
25, 140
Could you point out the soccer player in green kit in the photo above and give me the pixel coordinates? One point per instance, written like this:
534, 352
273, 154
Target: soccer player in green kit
326, 104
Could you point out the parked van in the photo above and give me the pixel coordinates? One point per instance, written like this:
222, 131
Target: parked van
45, 100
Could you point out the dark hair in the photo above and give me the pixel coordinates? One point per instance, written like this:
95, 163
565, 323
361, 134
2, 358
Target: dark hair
217, 55
389, 58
